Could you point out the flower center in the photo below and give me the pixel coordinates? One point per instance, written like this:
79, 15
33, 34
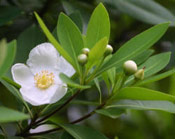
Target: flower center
44, 79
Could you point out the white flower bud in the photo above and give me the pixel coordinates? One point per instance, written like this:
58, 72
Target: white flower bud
82, 59
108, 50
85, 51
139, 74
130, 67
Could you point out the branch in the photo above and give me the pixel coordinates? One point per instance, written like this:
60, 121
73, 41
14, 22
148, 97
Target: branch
73, 122
34, 122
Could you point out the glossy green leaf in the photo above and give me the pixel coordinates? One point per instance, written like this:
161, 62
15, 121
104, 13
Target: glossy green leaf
111, 112
135, 46
82, 132
7, 55
71, 83
147, 11
144, 105
9, 115
143, 56
153, 65
97, 84
12, 89
84, 102
66, 135
77, 19
156, 63
54, 41
138, 93
70, 38
97, 52
8, 13
156, 77
98, 27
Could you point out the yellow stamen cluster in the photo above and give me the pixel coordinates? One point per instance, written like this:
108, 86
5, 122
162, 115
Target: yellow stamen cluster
44, 79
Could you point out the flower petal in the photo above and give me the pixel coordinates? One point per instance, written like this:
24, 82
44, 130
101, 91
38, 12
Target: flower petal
60, 92
22, 75
43, 57
65, 67
36, 96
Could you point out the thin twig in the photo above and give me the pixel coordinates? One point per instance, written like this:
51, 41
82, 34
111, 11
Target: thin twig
34, 122
73, 122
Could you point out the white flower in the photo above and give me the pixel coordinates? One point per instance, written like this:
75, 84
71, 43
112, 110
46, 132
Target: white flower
39, 79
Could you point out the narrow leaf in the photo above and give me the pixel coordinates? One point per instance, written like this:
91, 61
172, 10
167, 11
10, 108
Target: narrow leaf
156, 77
153, 65
143, 56
70, 37
137, 93
144, 105
82, 132
135, 46
96, 53
71, 83
111, 112
98, 27
9, 115
147, 11
7, 55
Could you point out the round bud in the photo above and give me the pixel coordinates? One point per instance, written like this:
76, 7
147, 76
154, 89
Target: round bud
82, 59
108, 50
130, 67
85, 51
139, 74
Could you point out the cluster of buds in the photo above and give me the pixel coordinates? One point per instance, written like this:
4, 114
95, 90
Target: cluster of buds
83, 57
130, 68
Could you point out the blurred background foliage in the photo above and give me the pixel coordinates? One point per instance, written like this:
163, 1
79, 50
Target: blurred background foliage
128, 18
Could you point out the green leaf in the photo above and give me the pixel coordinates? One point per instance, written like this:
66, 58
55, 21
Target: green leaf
83, 102
156, 77
153, 65
97, 52
12, 89
82, 132
147, 11
98, 27
27, 40
112, 75
144, 105
7, 55
135, 46
111, 112
66, 135
143, 56
71, 83
54, 41
137, 93
9, 115
76, 17
99, 89
8, 13
70, 38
